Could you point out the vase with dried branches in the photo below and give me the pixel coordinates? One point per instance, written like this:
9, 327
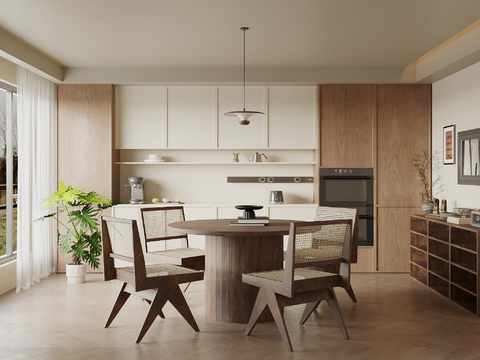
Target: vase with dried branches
424, 163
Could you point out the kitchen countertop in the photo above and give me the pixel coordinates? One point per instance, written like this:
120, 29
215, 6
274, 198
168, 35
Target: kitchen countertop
212, 204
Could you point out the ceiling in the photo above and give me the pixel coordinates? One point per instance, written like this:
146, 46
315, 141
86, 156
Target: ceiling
206, 33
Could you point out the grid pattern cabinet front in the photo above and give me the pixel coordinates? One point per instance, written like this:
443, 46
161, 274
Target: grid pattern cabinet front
444, 257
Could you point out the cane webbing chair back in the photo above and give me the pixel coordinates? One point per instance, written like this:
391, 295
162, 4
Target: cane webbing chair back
320, 243
155, 221
157, 283
121, 238
334, 213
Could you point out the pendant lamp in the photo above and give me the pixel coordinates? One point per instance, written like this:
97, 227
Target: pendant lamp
244, 115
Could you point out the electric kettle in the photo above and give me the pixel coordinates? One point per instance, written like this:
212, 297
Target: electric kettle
257, 157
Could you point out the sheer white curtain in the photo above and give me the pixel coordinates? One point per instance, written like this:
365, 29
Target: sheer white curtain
36, 177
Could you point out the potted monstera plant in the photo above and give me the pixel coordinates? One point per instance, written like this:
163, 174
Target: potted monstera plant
79, 232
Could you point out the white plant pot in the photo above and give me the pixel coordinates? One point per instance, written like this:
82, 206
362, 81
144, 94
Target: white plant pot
76, 273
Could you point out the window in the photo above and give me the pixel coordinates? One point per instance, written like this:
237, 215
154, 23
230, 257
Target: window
8, 172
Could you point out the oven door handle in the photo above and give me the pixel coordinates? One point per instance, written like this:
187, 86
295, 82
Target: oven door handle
347, 177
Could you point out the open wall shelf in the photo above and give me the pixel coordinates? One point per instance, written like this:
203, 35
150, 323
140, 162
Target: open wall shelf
445, 257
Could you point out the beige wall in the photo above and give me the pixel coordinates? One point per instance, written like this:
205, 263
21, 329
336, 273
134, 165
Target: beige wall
8, 71
455, 101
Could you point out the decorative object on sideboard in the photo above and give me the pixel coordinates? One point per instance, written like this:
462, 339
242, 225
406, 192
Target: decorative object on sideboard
475, 218
449, 145
443, 207
276, 197
423, 163
235, 157
436, 206
468, 164
257, 157
244, 115
427, 207
463, 212
137, 190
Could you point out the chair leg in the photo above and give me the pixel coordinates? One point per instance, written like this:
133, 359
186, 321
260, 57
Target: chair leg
161, 314
258, 309
178, 301
155, 308
277, 312
187, 287
121, 299
335, 309
350, 293
311, 307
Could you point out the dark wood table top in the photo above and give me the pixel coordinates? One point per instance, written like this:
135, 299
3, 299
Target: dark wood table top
221, 227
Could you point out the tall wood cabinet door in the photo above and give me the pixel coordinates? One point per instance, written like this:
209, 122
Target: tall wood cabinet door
346, 125
140, 117
404, 123
85, 143
393, 233
232, 135
192, 117
292, 117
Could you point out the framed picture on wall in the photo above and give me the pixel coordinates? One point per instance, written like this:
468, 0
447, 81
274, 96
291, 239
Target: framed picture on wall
449, 145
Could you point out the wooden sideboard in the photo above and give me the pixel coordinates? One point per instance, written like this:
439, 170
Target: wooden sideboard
445, 257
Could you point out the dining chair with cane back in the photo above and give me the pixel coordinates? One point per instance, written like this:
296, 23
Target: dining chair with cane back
343, 268
155, 221
157, 283
309, 244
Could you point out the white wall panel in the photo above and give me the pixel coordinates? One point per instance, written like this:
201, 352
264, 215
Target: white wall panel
456, 101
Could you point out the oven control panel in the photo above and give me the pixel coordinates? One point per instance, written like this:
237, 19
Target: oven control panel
346, 172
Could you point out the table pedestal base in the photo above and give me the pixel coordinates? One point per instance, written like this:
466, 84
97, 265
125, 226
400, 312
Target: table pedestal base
228, 299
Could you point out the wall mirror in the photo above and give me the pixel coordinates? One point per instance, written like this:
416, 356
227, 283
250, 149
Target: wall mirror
468, 168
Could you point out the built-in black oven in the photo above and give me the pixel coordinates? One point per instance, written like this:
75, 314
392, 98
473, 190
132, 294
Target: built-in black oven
350, 188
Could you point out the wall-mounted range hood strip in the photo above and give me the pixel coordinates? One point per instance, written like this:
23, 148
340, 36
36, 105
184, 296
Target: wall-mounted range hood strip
270, 179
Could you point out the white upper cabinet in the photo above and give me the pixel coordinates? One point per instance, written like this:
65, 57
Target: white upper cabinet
292, 117
232, 135
192, 117
140, 117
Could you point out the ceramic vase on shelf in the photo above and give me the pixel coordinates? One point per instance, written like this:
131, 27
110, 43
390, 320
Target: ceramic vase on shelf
427, 207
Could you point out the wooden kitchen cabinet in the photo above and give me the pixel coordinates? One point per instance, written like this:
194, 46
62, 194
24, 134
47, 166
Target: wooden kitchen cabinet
192, 117
403, 130
384, 127
292, 117
393, 228
140, 117
86, 154
231, 134
347, 114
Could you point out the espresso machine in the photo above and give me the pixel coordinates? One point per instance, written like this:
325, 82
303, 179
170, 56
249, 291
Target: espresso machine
137, 190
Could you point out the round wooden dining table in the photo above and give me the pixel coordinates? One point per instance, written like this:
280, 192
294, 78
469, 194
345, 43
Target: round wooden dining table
231, 251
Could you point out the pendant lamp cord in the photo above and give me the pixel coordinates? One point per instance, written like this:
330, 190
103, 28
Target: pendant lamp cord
244, 68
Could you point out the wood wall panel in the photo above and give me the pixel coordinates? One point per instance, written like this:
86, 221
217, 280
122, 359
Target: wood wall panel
86, 147
393, 245
346, 122
366, 260
404, 123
